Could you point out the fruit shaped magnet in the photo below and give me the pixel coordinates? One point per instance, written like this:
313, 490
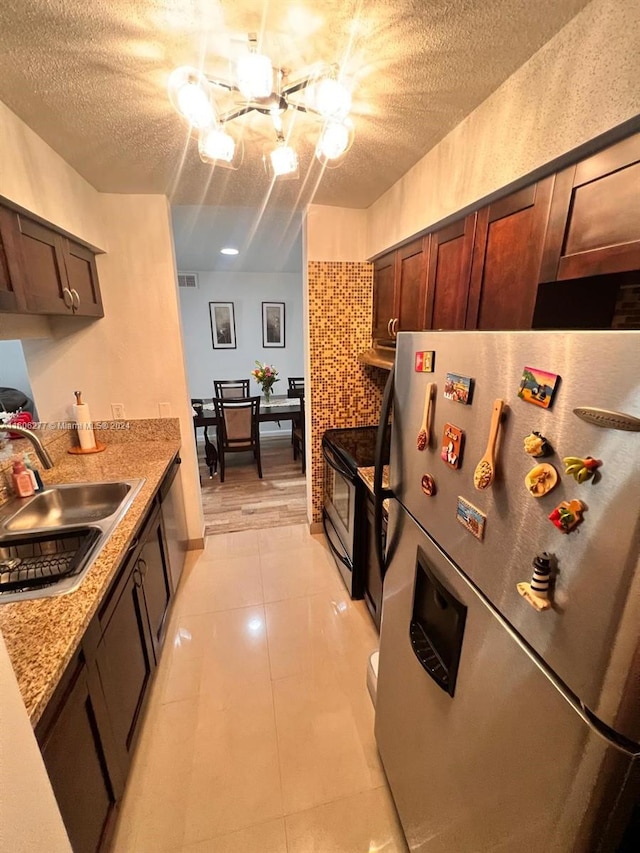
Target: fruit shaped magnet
567, 515
541, 479
535, 444
452, 441
581, 469
536, 593
537, 386
428, 485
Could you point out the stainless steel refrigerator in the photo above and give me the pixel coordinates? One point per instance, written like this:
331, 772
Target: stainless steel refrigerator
508, 714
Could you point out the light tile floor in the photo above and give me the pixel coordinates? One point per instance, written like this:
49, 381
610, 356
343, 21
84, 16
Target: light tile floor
258, 737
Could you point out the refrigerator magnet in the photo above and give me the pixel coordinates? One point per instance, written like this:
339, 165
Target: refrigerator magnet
567, 515
538, 386
470, 517
458, 388
428, 485
452, 441
425, 361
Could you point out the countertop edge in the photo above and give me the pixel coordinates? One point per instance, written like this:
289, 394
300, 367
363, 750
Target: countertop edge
42, 635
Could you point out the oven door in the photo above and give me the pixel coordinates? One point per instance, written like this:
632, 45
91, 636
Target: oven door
340, 497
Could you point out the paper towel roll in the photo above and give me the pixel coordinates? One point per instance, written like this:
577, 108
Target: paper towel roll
82, 417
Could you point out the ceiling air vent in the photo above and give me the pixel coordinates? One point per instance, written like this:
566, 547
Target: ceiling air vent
187, 279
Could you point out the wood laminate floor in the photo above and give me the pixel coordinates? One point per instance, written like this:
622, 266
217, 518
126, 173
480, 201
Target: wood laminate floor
243, 501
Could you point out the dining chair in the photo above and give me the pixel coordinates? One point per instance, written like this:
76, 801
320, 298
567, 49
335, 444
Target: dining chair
238, 429
296, 390
297, 437
226, 388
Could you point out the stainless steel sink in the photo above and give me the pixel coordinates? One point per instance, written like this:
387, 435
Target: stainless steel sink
61, 506
58, 533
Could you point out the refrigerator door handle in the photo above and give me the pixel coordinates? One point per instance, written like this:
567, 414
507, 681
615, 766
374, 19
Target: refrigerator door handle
380, 494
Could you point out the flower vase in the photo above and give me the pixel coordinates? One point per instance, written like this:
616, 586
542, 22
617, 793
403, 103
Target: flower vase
267, 392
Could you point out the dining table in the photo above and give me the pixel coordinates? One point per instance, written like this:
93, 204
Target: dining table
279, 408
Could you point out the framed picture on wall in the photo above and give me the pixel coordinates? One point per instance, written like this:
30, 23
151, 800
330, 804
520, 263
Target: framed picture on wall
273, 324
223, 325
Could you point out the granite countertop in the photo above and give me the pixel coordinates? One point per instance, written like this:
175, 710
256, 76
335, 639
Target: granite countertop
42, 634
366, 475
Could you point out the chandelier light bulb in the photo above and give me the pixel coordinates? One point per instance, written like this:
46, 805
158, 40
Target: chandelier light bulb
334, 140
216, 144
189, 94
331, 99
284, 160
255, 75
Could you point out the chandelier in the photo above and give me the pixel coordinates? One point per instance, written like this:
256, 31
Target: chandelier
267, 90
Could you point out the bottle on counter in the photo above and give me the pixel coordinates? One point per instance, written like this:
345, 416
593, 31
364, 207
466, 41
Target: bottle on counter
33, 473
22, 483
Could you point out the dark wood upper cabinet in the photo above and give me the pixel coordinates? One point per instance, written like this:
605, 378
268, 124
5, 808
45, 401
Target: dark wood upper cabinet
411, 277
60, 274
507, 254
11, 266
44, 272
594, 226
399, 283
383, 296
45, 283
449, 268
82, 277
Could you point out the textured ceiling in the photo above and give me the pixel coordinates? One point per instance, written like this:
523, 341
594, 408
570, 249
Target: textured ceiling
90, 78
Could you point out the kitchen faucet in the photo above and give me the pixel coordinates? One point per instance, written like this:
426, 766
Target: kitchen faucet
41, 451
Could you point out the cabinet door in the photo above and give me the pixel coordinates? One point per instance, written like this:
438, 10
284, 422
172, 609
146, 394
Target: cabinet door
411, 272
11, 265
449, 268
372, 578
383, 296
75, 762
125, 662
154, 568
506, 259
83, 280
594, 227
46, 284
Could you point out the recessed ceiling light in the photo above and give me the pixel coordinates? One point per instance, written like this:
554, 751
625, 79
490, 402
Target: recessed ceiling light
228, 251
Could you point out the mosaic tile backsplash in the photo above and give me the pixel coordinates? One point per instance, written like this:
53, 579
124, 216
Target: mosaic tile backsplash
344, 393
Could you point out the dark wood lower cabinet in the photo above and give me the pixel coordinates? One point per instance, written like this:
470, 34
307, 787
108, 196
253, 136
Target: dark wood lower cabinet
74, 756
125, 663
88, 731
373, 579
156, 581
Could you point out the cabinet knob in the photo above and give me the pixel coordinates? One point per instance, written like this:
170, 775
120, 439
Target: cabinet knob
142, 565
394, 327
390, 321
67, 298
75, 299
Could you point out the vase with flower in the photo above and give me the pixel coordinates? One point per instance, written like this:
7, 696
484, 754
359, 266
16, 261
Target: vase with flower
266, 376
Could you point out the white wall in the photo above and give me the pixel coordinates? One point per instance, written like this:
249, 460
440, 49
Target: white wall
30, 817
13, 367
247, 291
134, 354
336, 233
583, 82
